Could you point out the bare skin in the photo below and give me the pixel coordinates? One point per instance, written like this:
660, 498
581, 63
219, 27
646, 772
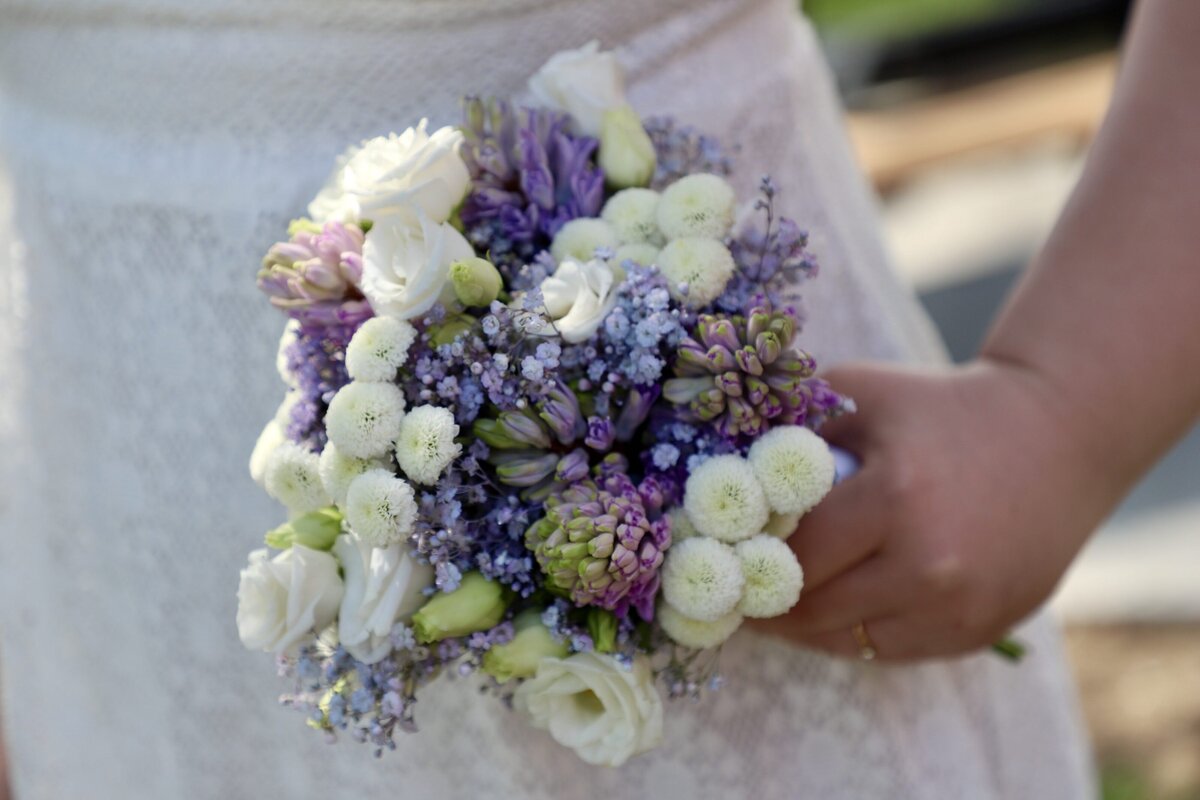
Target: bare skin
981, 483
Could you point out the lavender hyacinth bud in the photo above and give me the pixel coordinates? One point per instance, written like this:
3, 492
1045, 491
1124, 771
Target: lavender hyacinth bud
600, 433
513, 430
561, 412
572, 467
525, 468
638, 403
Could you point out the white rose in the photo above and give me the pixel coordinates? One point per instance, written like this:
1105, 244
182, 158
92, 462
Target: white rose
583, 83
384, 585
605, 712
396, 176
286, 599
579, 296
406, 268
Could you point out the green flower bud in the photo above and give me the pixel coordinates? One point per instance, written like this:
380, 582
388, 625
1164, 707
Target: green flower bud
626, 152
315, 530
477, 604
451, 329
519, 658
602, 627
476, 281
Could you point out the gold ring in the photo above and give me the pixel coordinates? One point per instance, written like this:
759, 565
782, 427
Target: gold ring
866, 648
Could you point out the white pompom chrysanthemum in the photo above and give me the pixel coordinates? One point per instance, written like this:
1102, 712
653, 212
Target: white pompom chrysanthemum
579, 239
694, 633
697, 205
273, 435
702, 578
704, 266
781, 526
631, 213
640, 253
724, 500
426, 446
363, 419
339, 470
773, 577
794, 466
378, 348
292, 478
681, 527
380, 507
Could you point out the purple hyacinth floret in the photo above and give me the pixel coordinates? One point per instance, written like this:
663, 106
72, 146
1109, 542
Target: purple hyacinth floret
530, 175
315, 276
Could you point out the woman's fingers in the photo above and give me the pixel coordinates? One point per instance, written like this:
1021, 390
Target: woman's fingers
871, 589
898, 638
846, 527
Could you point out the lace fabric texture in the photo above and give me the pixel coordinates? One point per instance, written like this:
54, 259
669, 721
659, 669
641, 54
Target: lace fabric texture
155, 150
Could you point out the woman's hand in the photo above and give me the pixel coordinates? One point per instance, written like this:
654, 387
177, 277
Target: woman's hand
973, 498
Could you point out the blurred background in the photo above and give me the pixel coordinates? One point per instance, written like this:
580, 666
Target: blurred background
972, 119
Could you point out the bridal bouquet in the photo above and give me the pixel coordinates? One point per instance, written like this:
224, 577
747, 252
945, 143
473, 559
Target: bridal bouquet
547, 422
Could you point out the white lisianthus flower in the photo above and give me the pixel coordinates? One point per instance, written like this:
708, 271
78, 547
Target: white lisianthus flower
380, 507
640, 253
724, 500
579, 295
632, 214
703, 266
583, 83
363, 419
579, 239
773, 577
591, 703
694, 633
338, 470
794, 466
781, 526
292, 477
394, 177
384, 585
702, 578
291, 332
286, 600
701, 206
426, 446
406, 267
378, 348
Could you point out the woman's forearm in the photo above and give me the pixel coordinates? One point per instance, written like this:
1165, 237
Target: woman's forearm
1108, 319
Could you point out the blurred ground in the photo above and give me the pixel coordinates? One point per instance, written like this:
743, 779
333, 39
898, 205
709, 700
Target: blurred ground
1140, 686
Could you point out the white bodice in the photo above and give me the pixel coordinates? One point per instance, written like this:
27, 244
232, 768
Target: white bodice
155, 150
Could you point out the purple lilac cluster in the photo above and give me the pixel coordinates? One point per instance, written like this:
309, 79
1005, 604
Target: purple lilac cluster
371, 702
772, 259
683, 150
316, 360
530, 176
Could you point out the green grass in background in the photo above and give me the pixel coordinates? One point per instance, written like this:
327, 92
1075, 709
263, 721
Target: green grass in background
893, 19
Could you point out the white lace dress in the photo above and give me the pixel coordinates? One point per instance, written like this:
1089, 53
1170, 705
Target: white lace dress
155, 149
